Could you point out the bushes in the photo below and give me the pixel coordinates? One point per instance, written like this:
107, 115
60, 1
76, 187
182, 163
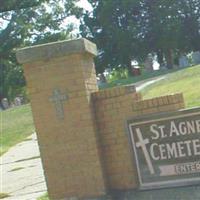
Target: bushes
117, 74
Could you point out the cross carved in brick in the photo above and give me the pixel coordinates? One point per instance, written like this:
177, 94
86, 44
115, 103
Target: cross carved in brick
58, 99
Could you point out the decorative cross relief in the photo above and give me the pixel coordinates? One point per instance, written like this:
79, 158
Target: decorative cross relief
142, 143
58, 99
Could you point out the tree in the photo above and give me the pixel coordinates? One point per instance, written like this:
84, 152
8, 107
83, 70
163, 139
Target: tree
163, 29
127, 30
114, 27
27, 23
8, 5
190, 16
174, 26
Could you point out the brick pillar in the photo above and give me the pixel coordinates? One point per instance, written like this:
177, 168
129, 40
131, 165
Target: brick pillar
60, 77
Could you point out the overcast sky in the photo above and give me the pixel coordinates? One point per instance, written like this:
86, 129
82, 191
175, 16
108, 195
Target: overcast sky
83, 4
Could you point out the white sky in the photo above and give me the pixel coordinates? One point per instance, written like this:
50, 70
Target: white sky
83, 4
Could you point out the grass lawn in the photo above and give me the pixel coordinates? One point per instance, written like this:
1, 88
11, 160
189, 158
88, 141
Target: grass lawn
186, 81
16, 125
43, 197
134, 79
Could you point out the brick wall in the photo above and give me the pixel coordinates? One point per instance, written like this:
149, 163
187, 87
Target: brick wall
112, 108
69, 147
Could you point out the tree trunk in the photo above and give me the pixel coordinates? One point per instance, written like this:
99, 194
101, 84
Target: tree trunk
160, 58
169, 59
130, 71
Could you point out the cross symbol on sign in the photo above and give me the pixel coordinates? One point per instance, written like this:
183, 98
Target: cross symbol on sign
57, 98
142, 143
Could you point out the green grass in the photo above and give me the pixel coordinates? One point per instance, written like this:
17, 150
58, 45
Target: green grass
16, 125
43, 197
186, 81
134, 79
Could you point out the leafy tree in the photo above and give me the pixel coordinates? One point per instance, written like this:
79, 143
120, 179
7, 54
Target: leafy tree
130, 29
114, 27
163, 28
190, 16
173, 28
8, 5
27, 23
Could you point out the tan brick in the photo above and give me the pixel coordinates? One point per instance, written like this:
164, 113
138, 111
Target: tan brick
68, 144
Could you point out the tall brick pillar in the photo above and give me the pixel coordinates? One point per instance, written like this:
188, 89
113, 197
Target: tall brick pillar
60, 77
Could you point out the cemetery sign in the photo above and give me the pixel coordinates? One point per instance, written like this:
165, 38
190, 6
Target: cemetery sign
167, 148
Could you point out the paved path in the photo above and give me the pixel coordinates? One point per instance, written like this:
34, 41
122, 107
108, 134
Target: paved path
21, 171
142, 84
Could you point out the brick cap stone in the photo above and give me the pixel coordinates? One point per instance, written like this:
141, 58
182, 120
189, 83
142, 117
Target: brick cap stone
55, 49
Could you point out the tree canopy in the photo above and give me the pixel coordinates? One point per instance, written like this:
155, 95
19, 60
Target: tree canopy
131, 29
27, 23
124, 30
8, 5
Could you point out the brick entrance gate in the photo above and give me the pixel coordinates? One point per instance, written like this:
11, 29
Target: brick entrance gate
81, 131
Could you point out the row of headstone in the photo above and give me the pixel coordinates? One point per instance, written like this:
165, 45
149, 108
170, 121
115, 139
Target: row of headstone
18, 101
183, 61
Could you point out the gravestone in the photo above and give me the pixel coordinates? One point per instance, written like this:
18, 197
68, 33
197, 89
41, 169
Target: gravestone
101, 80
5, 103
196, 57
183, 62
148, 65
17, 101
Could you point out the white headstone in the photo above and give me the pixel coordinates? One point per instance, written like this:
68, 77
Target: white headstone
17, 101
5, 103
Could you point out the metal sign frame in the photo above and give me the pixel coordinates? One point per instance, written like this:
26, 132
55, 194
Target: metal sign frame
158, 118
